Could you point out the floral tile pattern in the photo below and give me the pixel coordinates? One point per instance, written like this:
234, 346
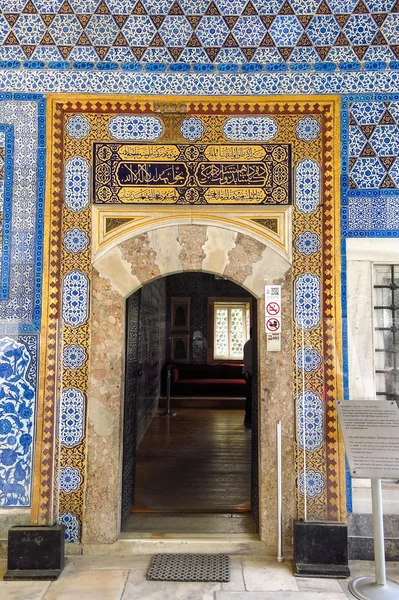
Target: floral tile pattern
22, 140
310, 421
18, 380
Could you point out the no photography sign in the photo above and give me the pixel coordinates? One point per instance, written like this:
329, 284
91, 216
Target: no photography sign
273, 324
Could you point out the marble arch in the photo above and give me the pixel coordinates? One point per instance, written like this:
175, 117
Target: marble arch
122, 270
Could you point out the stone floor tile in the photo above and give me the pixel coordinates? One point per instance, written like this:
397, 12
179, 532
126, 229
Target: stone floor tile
23, 590
360, 568
88, 563
262, 575
236, 582
315, 584
365, 568
88, 585
138, 588
279, 596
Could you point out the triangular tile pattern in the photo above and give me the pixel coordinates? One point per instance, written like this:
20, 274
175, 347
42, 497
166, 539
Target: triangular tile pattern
373, 145
139, 25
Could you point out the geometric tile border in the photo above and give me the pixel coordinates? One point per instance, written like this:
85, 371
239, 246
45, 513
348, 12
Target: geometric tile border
20, 311
7, 133
182, 32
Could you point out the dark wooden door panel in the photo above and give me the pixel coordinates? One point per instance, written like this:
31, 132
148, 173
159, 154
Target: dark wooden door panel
130, 412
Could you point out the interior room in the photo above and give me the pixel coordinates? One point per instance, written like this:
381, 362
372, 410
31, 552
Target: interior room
190, 440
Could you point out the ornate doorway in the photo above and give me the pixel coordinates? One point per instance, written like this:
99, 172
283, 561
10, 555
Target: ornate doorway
97, 255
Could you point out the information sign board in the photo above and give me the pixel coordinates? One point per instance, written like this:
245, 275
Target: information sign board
273, 317
371, 436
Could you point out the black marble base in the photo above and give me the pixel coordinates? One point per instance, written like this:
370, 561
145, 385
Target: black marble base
42, 575
321, 549
35, 552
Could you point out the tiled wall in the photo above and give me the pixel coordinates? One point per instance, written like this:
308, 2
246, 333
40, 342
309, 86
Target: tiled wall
22, 147
370, 167
200, 32
369, 175
370, 201
369, 184
168, 47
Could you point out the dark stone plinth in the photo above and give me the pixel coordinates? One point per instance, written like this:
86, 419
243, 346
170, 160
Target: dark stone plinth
35, 552
321, 549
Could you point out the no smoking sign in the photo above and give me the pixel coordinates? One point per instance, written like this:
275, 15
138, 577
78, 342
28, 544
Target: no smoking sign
273, 308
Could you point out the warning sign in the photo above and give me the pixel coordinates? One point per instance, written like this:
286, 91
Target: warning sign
273, 342
273, 317
273, 308
273, 324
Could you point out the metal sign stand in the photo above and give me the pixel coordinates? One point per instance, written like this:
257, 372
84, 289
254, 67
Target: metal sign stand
370, 430
168, 412
368, 588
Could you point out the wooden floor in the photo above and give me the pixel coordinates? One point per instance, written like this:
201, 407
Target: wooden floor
196, 462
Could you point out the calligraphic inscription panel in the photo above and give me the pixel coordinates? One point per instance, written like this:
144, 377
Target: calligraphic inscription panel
192, 174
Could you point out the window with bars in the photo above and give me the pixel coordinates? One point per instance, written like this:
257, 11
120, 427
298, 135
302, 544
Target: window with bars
386, 331
231, 330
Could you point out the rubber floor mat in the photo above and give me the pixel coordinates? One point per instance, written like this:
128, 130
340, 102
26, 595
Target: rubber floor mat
189, 567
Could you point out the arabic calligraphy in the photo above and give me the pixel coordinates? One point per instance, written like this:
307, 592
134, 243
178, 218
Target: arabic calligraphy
148, 153
252, 174
181, 173
129, 173
242, 153
148, 195
235, 195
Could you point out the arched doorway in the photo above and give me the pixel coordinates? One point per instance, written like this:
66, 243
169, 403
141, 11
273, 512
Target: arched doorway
83, 308
249, 263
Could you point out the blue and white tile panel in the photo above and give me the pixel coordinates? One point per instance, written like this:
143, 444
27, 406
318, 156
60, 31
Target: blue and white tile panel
75, 298
309, 421
198, 83
7, 144
18, 384
20, 311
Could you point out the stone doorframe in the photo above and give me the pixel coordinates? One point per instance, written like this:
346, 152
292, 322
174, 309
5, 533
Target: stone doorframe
177, 245
237, 243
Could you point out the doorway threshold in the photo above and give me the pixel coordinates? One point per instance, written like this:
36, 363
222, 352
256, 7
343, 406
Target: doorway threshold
170, 543
188, 523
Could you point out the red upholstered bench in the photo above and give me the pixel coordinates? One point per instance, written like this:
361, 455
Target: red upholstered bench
214, 380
